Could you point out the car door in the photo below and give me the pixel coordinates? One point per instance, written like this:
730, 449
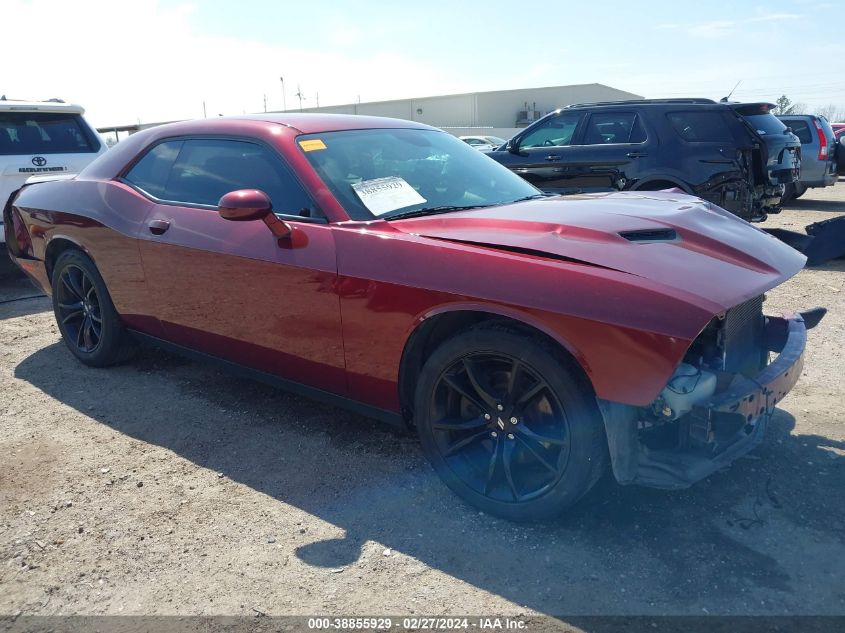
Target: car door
232, 289
540, 154
607, 151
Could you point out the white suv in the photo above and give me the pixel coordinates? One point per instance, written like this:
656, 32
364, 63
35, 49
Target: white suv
41, 138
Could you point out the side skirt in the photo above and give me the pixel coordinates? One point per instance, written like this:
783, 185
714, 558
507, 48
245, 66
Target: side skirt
389, 417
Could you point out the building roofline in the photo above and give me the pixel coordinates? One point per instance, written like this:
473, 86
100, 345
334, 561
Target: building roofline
459, 94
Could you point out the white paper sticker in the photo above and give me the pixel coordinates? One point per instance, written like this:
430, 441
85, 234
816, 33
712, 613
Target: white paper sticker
384, 195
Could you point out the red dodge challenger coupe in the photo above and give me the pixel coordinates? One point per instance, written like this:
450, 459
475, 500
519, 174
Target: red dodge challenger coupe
388, 266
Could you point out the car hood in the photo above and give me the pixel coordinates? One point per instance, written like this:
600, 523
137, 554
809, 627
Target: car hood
692, 249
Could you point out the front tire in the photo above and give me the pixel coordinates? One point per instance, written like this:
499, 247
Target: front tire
509, 423
87, 319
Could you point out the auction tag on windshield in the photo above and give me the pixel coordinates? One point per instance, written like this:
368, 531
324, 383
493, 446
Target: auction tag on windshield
384, 195
312, 144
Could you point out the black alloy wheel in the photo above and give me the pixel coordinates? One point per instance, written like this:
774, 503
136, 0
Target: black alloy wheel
509, 423
499, 427
78, 309
87, 319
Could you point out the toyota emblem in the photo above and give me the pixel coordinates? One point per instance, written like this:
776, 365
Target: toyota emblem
39, 161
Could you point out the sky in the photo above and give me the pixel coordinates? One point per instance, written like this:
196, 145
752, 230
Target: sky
160, 60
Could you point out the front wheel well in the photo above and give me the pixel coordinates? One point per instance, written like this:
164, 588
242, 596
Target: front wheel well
433, 331
658, 184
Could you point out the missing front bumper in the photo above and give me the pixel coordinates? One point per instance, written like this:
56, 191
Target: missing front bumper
727, 426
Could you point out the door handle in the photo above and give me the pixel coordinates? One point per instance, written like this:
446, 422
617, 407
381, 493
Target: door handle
551, 157
158, 227
636, 154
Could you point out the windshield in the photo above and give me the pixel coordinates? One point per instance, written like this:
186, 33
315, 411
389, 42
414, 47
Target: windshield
390, 172
766, 123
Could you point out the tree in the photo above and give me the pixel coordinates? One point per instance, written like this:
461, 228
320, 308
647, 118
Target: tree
783, 105
832, 113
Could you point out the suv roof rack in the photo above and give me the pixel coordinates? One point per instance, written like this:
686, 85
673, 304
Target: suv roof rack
639, 102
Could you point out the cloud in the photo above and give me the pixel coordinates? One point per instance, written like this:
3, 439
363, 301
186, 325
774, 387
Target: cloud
126, 61
722, 28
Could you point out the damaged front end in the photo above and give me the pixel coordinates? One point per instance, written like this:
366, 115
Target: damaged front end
716, 405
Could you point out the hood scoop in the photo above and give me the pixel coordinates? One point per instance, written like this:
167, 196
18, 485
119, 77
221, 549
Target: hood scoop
520, 250
647, 236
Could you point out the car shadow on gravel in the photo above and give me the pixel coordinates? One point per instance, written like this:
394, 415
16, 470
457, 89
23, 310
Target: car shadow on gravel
767, 535
832, 206
20, 297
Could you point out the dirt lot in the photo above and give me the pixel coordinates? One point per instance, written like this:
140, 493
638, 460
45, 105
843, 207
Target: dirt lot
168, 487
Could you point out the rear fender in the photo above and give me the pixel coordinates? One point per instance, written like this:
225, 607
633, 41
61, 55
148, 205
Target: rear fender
8, 225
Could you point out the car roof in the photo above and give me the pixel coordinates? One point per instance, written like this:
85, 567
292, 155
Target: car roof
10, 105
313, 122
641, 102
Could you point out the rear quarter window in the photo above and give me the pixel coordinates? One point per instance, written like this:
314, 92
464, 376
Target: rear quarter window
150, 174
766, 123
701, 127
45, 133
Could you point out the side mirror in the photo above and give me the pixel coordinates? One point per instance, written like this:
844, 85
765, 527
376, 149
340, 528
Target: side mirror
244, 205
513, 145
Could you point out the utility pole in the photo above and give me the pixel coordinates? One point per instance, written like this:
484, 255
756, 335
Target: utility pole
204, 114
300, 96
284, 97
265, 102
318, 99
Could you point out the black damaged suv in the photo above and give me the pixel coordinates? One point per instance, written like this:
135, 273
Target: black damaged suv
738, 156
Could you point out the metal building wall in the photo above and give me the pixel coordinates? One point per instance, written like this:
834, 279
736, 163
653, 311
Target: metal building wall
497, 109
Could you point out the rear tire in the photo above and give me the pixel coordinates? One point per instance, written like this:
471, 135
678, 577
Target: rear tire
793, 191
87, 319
510, 424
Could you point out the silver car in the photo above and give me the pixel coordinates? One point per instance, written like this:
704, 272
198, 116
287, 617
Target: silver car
818, 153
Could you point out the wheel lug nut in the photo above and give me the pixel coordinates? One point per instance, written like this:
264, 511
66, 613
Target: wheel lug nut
514, 420
494, 434
500, 407
510, 436
486, 416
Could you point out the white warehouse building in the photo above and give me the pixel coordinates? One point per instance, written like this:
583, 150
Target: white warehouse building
499, 112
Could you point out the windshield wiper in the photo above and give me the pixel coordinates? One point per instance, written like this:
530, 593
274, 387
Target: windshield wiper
446, 208
535, 196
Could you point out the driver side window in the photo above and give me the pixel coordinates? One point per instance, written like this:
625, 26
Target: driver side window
554, 132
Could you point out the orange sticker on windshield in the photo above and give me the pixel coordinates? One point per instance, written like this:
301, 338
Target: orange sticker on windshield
312, 144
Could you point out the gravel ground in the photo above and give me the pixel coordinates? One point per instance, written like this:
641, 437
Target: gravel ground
168, 487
